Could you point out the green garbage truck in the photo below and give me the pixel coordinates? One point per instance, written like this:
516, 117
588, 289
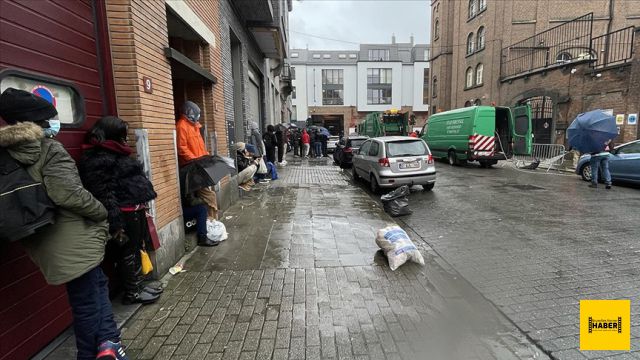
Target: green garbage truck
480, 133
391, 122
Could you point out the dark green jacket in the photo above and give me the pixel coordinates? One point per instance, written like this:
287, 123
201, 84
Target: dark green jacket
75, 243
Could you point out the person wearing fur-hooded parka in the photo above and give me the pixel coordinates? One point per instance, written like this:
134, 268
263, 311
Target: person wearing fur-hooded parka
70, 250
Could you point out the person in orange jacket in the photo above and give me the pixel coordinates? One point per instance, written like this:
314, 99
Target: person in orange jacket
190, 142
191, 147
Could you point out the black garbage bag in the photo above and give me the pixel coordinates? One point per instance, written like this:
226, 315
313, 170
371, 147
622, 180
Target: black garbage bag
396, 202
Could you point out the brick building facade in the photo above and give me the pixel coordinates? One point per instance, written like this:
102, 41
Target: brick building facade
185, 50
485, 52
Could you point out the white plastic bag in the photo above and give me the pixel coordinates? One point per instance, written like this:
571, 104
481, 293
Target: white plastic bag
398, 247
262, 168
216, 230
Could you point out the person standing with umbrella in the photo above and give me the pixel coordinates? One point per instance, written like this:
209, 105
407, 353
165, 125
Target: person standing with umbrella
591, 133
601, 161
191, 147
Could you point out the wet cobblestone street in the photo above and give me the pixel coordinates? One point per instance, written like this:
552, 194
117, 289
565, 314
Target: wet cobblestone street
301, 278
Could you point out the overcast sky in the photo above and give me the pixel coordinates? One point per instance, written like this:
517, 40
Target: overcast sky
357, 21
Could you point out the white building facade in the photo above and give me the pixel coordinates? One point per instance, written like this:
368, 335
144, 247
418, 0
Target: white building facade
337, 89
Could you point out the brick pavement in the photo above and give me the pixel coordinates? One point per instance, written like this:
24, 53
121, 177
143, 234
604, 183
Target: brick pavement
529, 243
300, 278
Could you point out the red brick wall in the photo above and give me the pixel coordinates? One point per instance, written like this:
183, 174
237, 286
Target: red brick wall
138, 32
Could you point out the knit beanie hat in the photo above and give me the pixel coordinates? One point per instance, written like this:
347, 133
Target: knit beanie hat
19, 105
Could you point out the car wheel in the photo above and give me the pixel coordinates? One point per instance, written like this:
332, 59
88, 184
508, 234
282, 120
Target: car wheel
428, 187
585, 172
375, 188
356, 177
451, 158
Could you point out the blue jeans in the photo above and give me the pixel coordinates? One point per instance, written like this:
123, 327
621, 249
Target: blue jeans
318, 148
198, 212
93, 321
597, 162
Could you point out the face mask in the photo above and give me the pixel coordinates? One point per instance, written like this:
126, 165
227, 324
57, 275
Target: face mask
54, 128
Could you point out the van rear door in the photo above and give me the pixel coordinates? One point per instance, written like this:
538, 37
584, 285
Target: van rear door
521, 130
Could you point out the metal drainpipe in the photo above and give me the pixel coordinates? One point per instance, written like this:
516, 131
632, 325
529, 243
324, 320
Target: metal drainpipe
607, 43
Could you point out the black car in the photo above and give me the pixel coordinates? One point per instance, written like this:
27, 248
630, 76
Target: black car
343, 153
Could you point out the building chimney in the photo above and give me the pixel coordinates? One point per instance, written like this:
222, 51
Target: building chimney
411, 39
393, 38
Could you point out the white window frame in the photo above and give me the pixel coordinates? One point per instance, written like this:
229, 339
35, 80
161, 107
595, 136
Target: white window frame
480, 74
470, 43
480, 42
468, 78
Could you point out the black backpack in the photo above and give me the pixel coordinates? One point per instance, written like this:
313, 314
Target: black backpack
24, 201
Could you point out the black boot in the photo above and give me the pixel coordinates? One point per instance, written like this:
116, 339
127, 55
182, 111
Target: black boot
141, 297
203, 240
131, 275
152, 289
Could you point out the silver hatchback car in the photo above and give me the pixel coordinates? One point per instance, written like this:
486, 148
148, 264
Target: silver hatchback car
393, 161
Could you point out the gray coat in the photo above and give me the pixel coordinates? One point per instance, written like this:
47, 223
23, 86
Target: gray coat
75, 243
255, 139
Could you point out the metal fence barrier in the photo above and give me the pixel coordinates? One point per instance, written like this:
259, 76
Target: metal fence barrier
545, 155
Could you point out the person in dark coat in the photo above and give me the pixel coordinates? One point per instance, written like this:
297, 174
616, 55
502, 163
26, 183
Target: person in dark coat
296, 139
314, 141
116, 179
281, 138
323, 143
270, 143
69, 251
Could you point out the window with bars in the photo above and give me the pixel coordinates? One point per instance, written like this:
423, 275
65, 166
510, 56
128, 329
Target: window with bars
293, 73
379, 86
379, 55
332, 87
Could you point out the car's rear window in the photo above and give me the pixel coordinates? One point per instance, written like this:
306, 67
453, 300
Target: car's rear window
357, 142
406, 148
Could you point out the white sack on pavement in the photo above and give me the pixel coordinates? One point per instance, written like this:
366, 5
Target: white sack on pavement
216, 231
398, 247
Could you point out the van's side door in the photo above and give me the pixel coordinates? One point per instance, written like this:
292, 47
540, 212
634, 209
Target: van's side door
521, 130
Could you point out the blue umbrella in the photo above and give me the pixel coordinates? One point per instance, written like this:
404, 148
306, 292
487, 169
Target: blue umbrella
324, 131
589, 132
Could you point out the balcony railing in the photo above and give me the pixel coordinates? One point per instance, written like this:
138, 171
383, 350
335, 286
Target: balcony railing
614, 48
567, 42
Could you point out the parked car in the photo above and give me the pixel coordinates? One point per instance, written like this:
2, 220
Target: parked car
343, 155
331, 143
393, 161
624, 164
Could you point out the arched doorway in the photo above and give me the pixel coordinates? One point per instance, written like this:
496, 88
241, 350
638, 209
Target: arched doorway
541, 118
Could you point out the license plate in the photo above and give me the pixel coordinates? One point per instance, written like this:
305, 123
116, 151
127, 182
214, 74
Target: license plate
410, 165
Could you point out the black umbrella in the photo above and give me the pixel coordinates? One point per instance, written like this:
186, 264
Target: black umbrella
218, 167
204, 172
